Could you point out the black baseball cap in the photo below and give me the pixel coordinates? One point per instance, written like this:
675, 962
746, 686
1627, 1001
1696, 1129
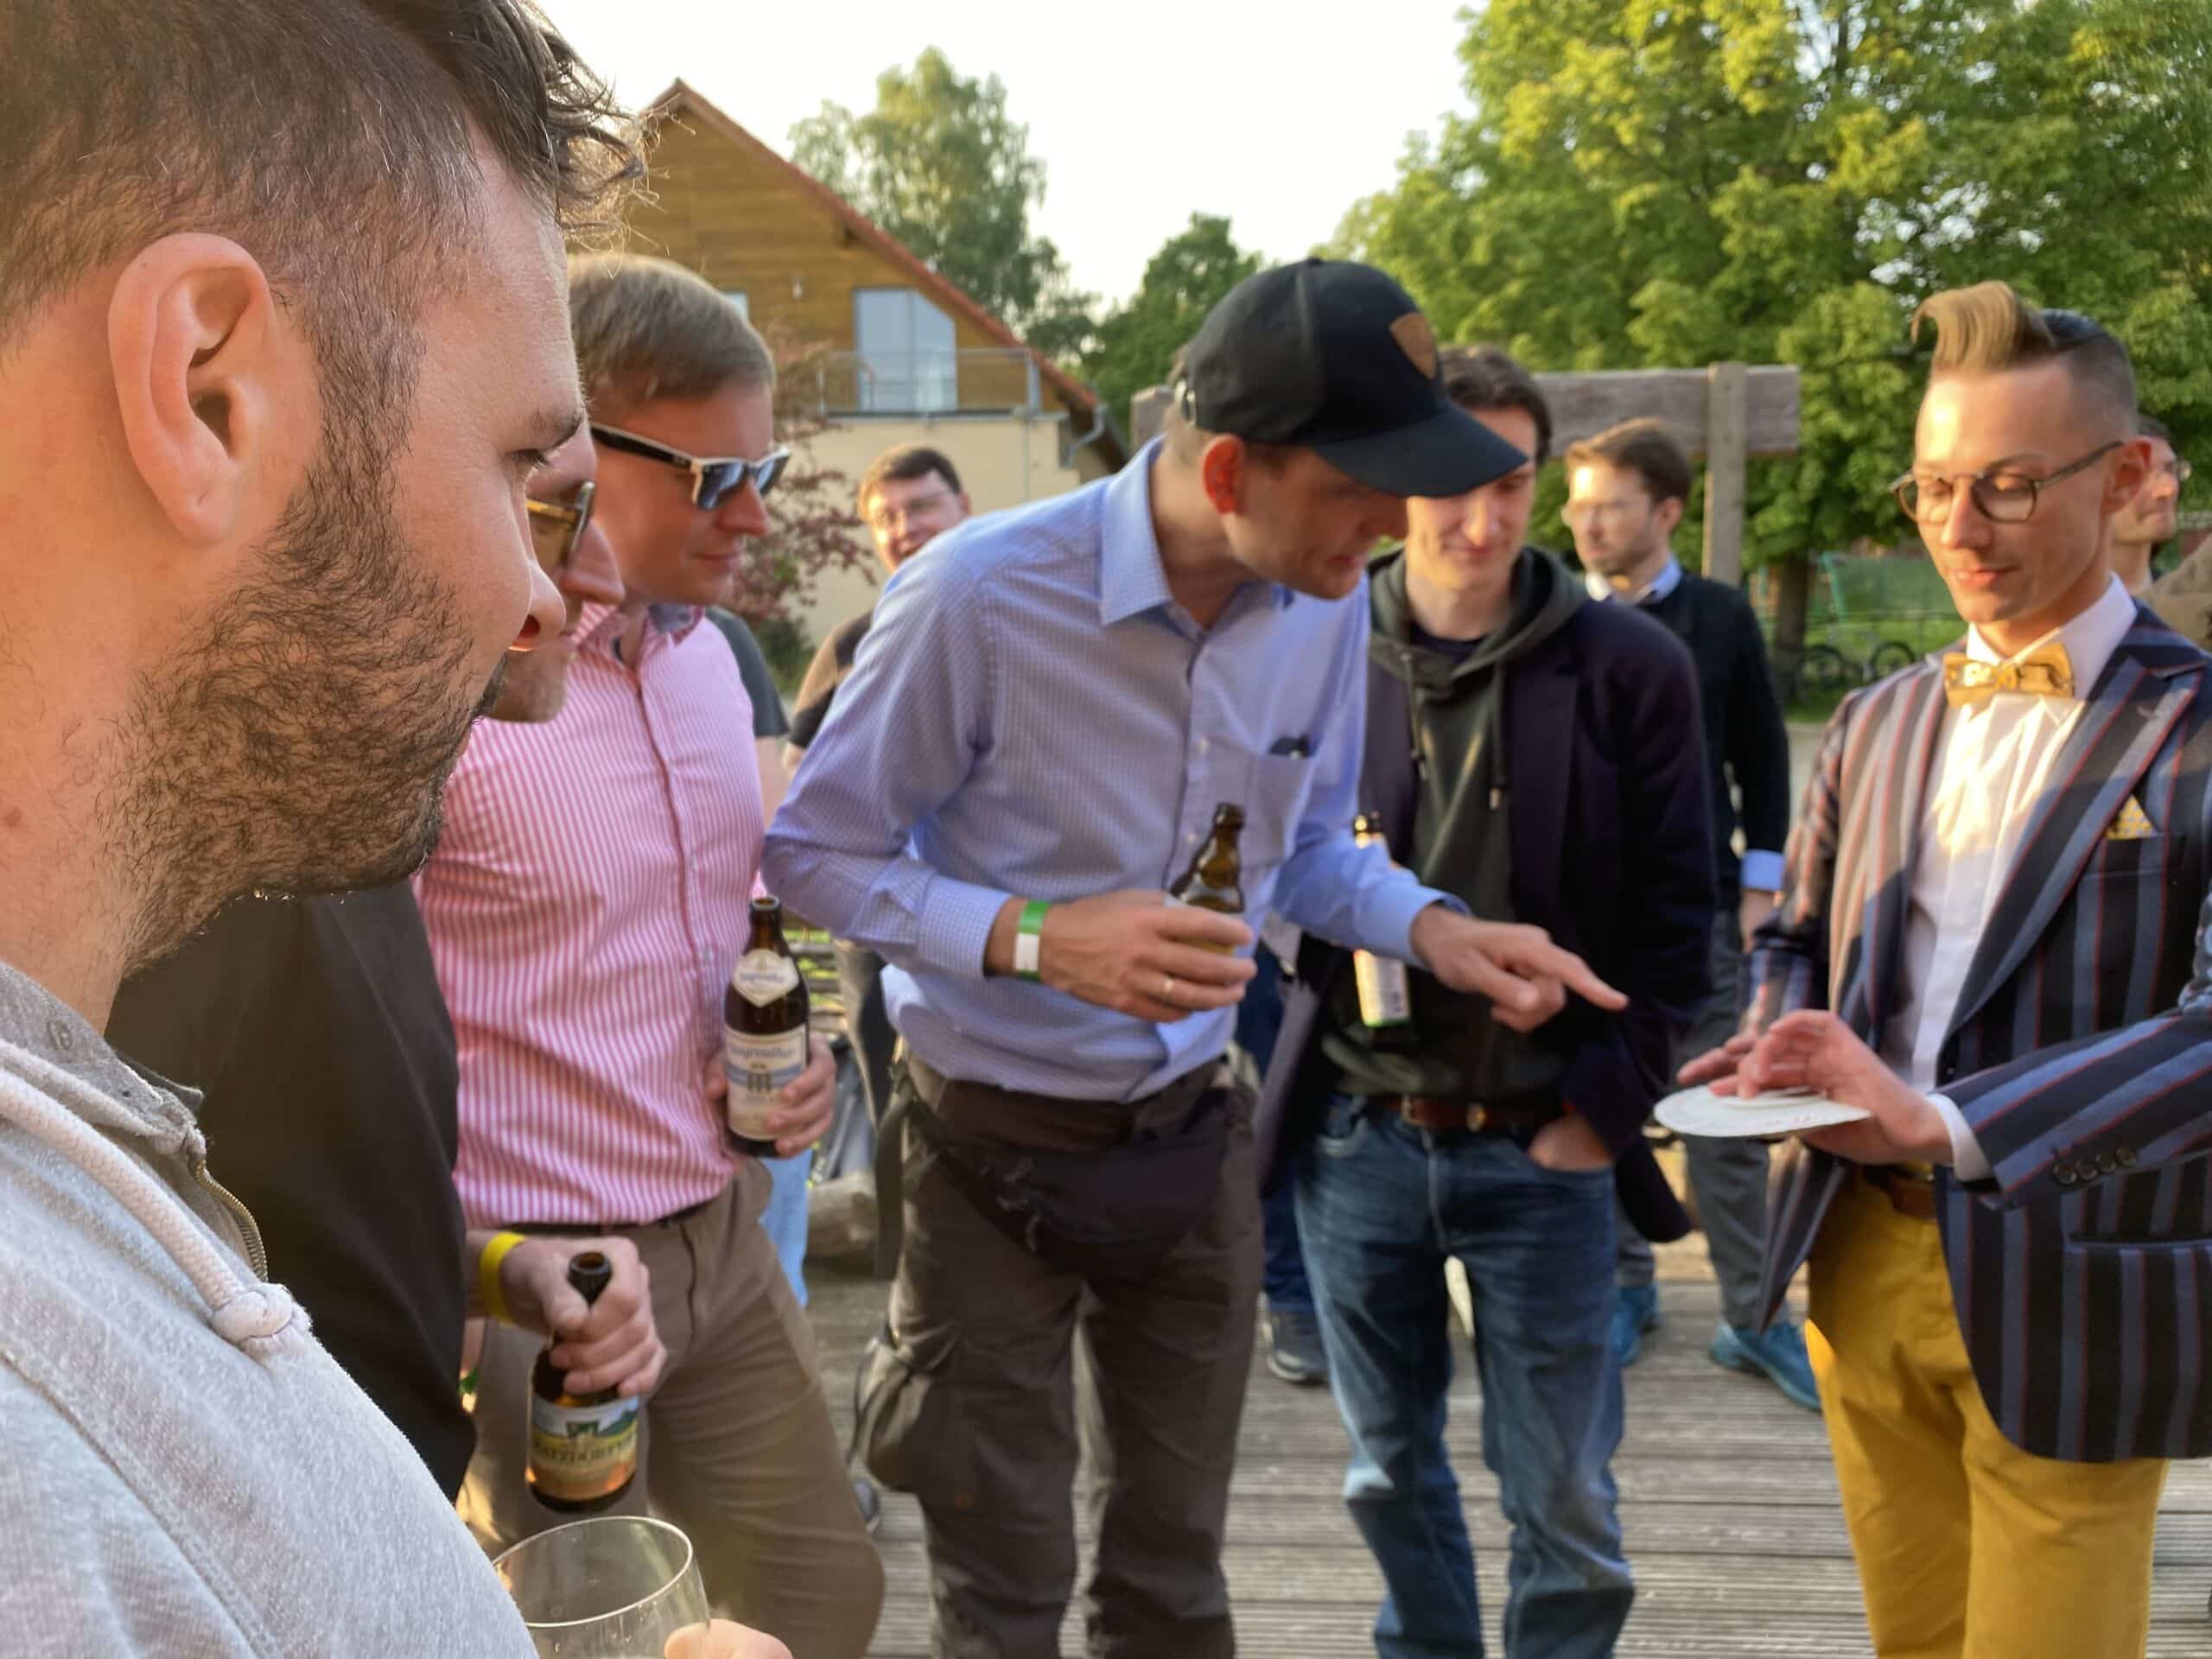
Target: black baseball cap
1334, 357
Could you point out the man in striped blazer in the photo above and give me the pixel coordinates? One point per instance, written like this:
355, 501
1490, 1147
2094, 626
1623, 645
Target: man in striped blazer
1993, 917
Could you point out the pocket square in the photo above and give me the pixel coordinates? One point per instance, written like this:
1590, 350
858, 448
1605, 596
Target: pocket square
2134, 823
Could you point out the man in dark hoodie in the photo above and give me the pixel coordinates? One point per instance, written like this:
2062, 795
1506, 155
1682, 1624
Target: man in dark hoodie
1537, 756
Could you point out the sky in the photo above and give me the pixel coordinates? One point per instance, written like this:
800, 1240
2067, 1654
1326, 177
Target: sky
1280, 115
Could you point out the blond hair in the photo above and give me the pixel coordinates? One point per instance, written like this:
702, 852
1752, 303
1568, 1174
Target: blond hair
647, 329
1988, 329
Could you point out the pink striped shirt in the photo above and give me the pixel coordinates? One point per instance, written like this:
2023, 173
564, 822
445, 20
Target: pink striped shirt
586, 903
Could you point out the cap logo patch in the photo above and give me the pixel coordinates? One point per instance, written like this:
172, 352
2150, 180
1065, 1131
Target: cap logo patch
1417, 340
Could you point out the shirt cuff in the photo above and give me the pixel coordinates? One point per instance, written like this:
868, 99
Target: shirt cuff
1396, 910
1762, 873
956, 921
1967, 1162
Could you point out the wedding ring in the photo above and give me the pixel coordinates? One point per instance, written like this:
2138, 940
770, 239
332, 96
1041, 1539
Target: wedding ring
1167, 990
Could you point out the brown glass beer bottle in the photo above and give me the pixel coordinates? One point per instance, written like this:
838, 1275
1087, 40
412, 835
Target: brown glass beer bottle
1216, 878
765, 1026
583, 1447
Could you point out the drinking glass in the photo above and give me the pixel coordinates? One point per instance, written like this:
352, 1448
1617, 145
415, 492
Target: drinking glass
615, 1586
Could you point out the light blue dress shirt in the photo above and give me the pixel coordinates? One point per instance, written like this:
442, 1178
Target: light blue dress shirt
1032, 715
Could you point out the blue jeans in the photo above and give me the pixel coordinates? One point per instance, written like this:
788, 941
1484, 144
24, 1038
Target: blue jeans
1259, 1020
784, 1219
1381, 1206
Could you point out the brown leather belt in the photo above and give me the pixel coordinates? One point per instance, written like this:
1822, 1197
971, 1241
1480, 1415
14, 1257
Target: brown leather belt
1473, 1117
1909, 1192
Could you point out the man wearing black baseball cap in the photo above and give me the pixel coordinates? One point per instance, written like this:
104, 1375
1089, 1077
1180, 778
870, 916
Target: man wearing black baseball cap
1040, 727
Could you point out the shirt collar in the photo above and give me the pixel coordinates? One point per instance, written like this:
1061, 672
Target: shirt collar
1131, 579
2090, 639
1668, 579
599, 626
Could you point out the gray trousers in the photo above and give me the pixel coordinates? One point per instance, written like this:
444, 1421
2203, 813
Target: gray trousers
1728, 1177
977, 1413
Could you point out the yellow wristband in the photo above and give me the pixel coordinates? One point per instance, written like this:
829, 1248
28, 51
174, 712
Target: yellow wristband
487, 1274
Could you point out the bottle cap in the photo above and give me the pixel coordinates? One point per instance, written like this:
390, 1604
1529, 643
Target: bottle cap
590, 1273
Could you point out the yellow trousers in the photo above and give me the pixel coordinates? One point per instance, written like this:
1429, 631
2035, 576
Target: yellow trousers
1968, 1546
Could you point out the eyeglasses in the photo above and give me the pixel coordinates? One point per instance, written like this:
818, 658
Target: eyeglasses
714, 480
2001, 496
572, 517
2178, 470
885, 518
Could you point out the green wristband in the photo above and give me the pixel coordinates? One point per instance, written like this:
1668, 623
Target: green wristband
1029, 940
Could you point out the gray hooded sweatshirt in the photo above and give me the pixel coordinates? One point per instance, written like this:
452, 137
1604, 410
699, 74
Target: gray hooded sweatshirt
186, 1472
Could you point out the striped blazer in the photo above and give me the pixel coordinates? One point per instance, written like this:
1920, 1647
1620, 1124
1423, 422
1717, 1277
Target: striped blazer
2081, 1050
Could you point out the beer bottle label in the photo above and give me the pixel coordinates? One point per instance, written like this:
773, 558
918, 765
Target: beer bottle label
1385, 999
758, 1066
765, 976
581, 1452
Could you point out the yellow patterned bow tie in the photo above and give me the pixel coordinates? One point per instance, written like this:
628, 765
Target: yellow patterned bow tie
2046, 672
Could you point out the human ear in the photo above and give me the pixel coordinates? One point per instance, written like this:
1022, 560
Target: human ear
191, 331
2128, 469
1221, 474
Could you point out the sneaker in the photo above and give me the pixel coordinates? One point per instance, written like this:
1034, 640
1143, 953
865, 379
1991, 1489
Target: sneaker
1636, 1311
871, 1502
1776, 1353
1294, 1351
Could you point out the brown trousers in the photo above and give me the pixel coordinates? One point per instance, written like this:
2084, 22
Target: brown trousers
736, 1447
979, 1417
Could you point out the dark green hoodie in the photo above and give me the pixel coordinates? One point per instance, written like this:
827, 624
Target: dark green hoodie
1461, 844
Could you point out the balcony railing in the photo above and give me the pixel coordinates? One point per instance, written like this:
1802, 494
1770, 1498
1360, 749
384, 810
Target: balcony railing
980, 382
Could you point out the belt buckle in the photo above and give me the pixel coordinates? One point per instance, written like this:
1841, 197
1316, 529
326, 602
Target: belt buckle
1477, 1119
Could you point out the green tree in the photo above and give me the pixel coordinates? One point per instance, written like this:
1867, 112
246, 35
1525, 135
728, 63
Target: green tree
1136, 343
1648, 183
940, 164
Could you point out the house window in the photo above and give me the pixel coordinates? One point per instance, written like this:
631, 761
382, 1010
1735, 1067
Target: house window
908, 365
736, 297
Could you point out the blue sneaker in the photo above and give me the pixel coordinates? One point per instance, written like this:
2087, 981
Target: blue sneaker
1776, 1353
1635, 1311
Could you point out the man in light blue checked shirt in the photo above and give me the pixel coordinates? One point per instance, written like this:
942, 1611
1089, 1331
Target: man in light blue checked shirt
1038, 730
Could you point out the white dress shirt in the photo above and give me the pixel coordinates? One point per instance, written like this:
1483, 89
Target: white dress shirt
1993, 761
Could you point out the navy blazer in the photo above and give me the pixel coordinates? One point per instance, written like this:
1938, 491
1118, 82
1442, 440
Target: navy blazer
1612, 856
2081, 1050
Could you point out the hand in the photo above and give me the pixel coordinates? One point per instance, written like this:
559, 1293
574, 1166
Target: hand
1136, 954
1517, 967
1569, 1143
1751, 911
721, 1639
805, 1107
1814, 1049
611, 1343
1717, 1066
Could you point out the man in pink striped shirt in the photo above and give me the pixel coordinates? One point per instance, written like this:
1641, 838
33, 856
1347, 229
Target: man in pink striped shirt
585, 906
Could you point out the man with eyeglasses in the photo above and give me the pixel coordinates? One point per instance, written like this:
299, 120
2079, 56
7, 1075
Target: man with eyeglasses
1626, 489
585, 906
335, 1000
1993, 941
909, 496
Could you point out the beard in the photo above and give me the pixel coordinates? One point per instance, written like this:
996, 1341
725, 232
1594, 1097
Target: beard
299, 744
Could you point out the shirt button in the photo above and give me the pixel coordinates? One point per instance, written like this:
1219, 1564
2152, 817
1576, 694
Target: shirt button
1204, 745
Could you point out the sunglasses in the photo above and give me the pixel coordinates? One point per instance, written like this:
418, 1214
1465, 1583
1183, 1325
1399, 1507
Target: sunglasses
713, 481
571, 517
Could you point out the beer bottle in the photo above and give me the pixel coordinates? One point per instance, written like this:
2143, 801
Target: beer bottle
1386, 1001
763, 1029
1215, 879
583, 1447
